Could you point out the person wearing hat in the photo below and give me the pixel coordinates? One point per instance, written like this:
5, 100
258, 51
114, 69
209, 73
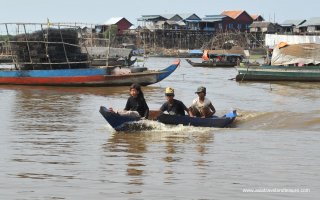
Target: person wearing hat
201, 106
173, 106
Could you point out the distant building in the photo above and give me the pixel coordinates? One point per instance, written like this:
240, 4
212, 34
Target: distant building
214, 22
265, 27
256, 18
122, 24
291, 26
191, 20
150, 21
170, 21
311, 26
226, 21
238, 20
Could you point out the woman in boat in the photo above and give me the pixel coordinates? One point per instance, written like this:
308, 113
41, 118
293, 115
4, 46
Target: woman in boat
136, 105
201, 106
173, 106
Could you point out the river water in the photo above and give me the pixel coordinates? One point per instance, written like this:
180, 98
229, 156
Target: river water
56, 145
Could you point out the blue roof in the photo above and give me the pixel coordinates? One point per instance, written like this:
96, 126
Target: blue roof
213, 18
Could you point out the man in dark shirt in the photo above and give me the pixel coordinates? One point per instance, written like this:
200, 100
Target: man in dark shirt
173, 106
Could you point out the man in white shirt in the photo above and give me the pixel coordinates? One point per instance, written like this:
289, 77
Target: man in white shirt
201, 106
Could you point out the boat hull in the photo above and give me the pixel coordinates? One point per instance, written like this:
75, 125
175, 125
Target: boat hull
279, 73
83, 77
211, 64
218, 122
116, 121
119, 123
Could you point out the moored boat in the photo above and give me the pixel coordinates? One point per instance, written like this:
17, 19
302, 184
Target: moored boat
92, 76
119, 122
53, 54
218, 60
278, 73
298, 62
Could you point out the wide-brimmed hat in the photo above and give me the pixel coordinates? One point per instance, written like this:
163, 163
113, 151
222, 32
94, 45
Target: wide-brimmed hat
169, 91
201, 89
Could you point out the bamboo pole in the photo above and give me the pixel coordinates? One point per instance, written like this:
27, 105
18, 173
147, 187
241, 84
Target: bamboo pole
10, 49
46, 39
64, 47
26, 37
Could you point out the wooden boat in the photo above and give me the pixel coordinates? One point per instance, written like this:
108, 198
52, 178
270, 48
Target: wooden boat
219, 122
296, 62
218, 60
119, 123
55, 54
92, 76
278, 73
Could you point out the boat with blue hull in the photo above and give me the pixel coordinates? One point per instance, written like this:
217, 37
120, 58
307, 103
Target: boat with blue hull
215, 121
92, 76
120, 123
57, 55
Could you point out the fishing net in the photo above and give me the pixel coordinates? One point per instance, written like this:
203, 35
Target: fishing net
49, 49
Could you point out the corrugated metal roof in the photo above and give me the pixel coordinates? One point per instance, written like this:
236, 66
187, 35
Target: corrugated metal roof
295, 22
168, 16
185, 16
149, 17
113, 20
315, 21
213, 18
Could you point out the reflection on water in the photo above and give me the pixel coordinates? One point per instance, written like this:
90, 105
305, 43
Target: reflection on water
137, 147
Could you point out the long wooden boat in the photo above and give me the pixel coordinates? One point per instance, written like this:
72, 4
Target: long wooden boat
228, 60
219, 122
92, 76
278, 73
119, 123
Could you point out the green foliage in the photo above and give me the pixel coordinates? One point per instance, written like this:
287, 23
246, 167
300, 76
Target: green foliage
5, 37
112, 30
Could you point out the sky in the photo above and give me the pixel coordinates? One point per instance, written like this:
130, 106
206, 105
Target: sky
99, 11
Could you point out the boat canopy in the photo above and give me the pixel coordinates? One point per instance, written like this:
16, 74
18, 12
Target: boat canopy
296, 54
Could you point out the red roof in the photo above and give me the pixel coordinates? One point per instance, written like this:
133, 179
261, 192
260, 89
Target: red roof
234, 14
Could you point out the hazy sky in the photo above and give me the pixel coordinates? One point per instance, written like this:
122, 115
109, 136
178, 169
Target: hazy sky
99, 11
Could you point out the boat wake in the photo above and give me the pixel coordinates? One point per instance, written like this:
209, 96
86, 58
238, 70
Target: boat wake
154, 126
278, 120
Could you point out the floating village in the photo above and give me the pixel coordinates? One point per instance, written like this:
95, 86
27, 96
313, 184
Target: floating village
171, 106
290, 50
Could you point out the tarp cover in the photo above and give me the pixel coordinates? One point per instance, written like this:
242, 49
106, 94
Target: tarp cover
274, 39
299, 54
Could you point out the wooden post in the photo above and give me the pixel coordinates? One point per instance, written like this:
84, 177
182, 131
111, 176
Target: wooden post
15, 61
64, 47
26, 37
46, 40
